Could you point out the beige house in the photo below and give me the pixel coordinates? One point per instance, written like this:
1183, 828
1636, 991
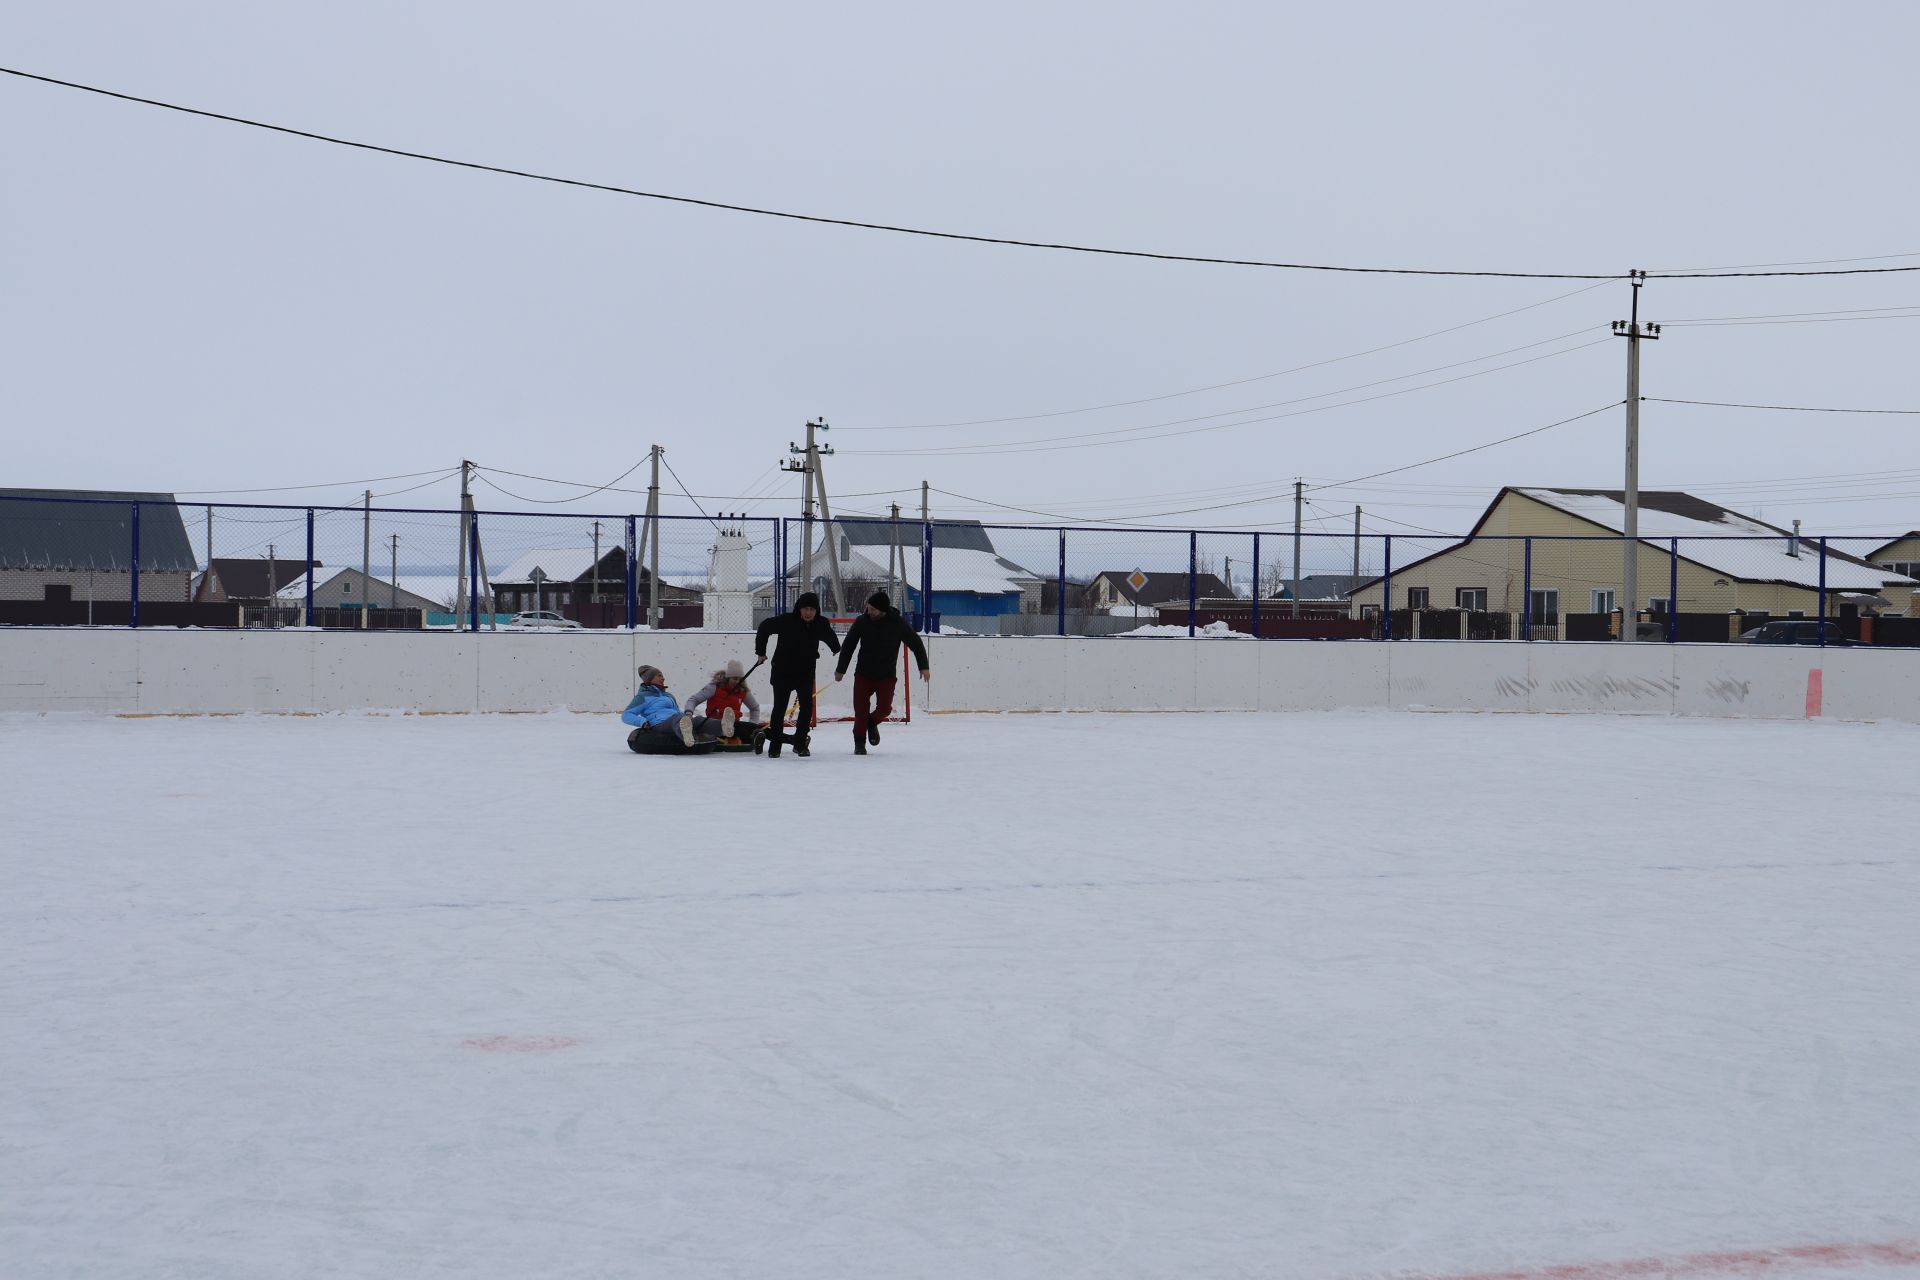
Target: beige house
1902, 555
1726, 562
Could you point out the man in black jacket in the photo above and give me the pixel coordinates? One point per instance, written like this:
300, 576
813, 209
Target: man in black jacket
800, 633
877, 634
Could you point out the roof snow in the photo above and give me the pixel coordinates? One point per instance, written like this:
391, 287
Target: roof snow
1725, 541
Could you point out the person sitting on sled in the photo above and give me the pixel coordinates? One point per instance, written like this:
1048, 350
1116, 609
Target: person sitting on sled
654, 710
726, 697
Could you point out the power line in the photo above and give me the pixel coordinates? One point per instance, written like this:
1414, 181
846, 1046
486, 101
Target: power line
683, 489
903, 230
292, 488
977, 451
1784, 408
1460, 453
1238, 382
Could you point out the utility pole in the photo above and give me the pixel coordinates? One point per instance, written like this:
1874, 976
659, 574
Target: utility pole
1229, 577
925, 518
393, 571
813, 488
366, 560
206, 583
1633, 331
653, 571
460, 574
1299, 495
273, 591
895, 551
1356, 547
593, 592
826, 518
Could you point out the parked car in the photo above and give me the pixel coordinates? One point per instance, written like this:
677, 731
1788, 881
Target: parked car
542, 618
1794, 631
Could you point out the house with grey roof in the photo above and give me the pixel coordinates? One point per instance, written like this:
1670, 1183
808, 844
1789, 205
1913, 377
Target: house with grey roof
69, 545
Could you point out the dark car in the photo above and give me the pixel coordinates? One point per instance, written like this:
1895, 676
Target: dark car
1794, 631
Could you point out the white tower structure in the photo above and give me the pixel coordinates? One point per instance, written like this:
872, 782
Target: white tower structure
729, 605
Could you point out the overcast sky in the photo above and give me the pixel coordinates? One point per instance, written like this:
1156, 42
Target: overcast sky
194, 306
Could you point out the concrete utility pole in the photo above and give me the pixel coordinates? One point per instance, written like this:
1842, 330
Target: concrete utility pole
1633, 331
896, 552
206, 583
826, 517
366, 560
805, 469
273, 591
460, 574
1299, 495
653, 567
393, 571
925, 518
1356, 547
593, 592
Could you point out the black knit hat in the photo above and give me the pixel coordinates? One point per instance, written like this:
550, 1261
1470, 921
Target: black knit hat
807, 600
879, 600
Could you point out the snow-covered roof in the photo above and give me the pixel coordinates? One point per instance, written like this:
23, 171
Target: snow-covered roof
560, 564
954, 569
1717, 538
436, 588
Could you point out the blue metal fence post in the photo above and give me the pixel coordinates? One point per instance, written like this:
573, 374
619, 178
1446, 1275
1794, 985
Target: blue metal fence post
1256, 586
306, 614
632, 575
1193, 579
780, 565
1526, 593
1386, 586
473, 578
926, 575
1673, 592
1063, 582
1823, 593
133, 597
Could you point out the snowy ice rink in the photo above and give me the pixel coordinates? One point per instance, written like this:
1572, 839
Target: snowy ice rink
1181, 996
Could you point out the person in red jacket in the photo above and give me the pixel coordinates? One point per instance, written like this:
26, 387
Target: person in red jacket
878, 634
729, 700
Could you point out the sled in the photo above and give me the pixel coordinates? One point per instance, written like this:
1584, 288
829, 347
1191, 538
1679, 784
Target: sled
659, 742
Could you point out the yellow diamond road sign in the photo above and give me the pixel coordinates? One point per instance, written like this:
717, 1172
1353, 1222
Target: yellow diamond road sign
1136, 580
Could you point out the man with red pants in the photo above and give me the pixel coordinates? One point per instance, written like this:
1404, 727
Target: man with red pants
878, 634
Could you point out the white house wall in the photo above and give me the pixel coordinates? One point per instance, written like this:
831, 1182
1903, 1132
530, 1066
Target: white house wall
167, 671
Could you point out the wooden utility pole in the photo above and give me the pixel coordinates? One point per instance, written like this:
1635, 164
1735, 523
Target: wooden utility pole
1299, 495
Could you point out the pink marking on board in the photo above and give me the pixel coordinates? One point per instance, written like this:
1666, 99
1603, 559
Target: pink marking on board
1814, 692
519, 1044
1742, 1262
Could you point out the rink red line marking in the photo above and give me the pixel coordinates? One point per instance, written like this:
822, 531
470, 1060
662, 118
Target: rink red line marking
519, 1044
1815, 680
1892, 1253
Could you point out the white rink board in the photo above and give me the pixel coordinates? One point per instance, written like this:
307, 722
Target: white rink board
166, 671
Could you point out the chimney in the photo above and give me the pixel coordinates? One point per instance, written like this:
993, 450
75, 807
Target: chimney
1793, 543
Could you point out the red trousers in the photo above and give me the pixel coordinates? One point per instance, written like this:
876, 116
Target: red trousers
872, 701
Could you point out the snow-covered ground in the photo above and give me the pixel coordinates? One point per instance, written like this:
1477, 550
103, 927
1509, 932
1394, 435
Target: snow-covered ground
1187, 996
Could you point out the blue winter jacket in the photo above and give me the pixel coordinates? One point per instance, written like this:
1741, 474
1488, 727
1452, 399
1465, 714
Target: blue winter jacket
652, 705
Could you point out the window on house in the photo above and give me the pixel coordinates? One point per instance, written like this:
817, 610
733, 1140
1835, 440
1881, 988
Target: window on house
1416, 597
1544, 605
1603, 600
1473, 598
1906, 568
58, 593
1657, 606
1796, 613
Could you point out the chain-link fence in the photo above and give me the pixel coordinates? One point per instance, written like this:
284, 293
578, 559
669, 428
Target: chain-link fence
77, 561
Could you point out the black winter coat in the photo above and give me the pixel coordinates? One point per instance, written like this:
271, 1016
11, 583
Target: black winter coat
879, 641
798, 650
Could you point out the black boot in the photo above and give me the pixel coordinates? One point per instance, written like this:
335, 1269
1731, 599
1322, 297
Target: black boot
800, 747
773, 745
873, 735
859, 743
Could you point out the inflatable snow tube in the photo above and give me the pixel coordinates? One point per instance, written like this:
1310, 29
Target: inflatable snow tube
664, 742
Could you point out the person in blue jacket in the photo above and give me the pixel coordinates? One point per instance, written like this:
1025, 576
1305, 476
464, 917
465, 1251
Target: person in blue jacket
654, 710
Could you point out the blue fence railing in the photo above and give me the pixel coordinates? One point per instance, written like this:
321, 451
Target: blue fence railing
73, 560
